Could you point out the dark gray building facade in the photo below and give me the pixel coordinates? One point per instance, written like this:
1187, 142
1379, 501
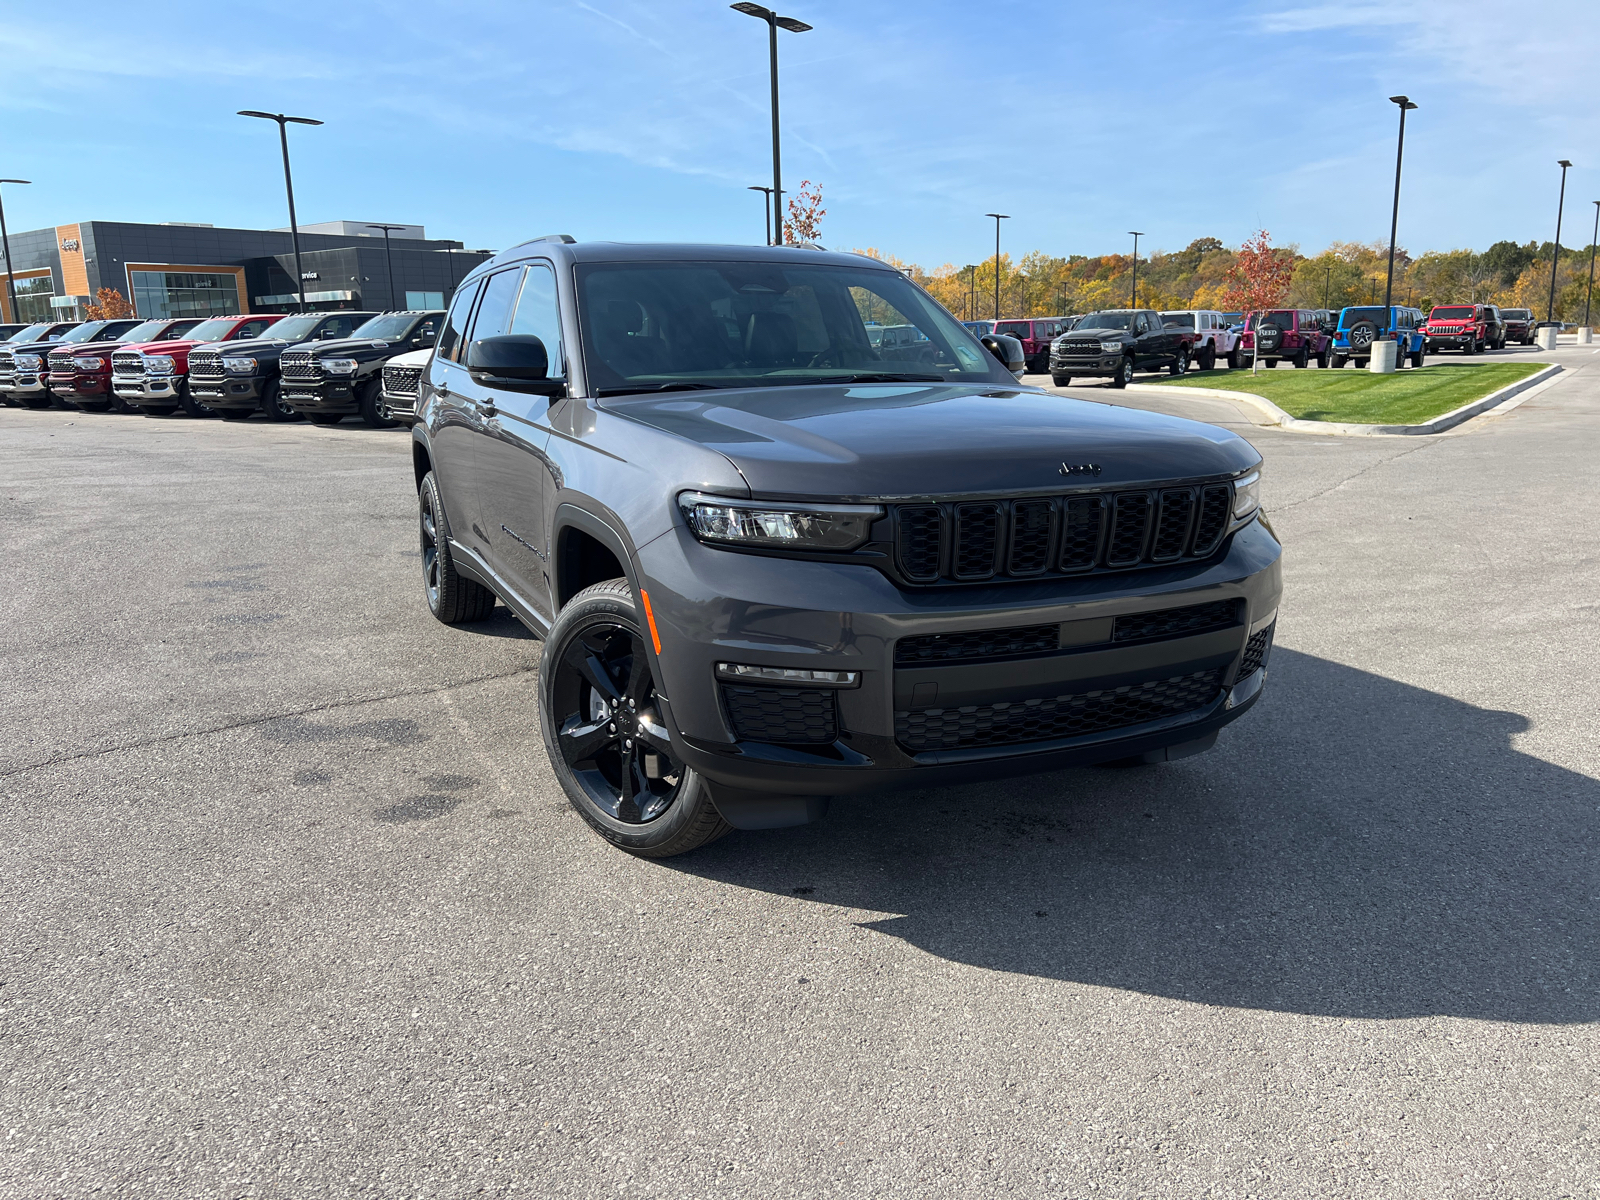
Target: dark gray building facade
200, 270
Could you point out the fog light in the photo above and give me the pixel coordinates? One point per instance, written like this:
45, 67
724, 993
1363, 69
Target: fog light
790, 675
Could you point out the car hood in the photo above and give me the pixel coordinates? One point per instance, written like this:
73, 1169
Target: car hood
350, 347
1096, 331
174, 347
883, 441
85, 347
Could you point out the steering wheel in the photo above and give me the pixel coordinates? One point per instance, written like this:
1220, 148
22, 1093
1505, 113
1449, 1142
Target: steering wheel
826, 358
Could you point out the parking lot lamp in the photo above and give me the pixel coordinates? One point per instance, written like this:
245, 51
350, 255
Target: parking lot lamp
388, 260
288, 183
1394, 219
1589, 295
774, 23
1133, 297
5, 242
1555, 255
998, 217
1327, 281
766, 207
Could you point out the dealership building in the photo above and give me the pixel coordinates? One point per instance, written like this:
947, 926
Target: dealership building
177, 270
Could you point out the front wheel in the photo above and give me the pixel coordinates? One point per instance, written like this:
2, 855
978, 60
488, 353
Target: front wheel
1470, 348
605, 733
1324, 357
192, 406
1061, 380
1180, 365
372, 406
273, 406
1208, 358
1124, 375
1236, 358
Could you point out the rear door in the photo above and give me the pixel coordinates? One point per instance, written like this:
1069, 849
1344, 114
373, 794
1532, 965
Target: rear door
454, 426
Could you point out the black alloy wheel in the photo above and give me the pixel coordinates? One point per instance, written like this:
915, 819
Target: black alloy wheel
1180, 365
1124, 375
372, 406
1237, 358
192, 406
1208, 357
452, 597
273, 406
606, 735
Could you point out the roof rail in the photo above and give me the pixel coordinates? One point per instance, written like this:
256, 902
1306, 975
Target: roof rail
565, 239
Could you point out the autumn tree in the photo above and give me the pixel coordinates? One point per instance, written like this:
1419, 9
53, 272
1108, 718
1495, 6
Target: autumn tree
805, 215
108, 306
1260, 276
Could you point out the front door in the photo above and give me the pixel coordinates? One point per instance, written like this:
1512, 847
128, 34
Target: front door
454, 423
512, 464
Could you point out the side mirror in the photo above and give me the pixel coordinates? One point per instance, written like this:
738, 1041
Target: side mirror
997, 348
516, 362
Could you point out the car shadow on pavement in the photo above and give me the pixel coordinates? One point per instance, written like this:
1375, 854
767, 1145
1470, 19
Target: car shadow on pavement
1354, 847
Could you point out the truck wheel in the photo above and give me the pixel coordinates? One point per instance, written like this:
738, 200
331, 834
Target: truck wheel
1236, 358
1471, 347
452, 597
192, 406
273, 406
1323, 357
1124, 375
1180, 365
605, 735
1208, 357
372, 406
1302, 358
1061, 380
1417, 356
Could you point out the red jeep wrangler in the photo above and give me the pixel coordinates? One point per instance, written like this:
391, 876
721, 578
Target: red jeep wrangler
1468, 328
1295, 334
1035, 335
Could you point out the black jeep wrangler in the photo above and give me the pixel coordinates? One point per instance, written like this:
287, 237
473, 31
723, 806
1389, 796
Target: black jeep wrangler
328, 381
772, 562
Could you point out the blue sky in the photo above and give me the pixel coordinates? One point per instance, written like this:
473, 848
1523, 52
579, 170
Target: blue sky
628, 120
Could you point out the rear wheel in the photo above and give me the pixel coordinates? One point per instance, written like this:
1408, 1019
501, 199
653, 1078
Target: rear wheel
605, 734
372, 406
1208, 357
1302, 358
1180, 365
1061, 380
1417, 356
273, 406
1237, 357
452, 597
1124, 375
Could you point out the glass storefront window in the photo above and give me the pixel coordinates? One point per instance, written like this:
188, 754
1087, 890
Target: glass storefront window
33, 300
424, 301
185, 293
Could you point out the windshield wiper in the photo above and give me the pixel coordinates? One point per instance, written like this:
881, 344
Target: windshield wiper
658, 387
889, 377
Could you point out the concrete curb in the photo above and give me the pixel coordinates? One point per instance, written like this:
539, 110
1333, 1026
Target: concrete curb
1275, 416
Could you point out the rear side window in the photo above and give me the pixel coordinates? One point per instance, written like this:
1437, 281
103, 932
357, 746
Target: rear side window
455, 321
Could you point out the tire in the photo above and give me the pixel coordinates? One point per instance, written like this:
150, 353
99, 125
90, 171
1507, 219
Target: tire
1061, 380
1124, 375
595, 688
1470, 348
1268, 337
193, 407
1336, 361
1324, 357
1302, 359
1236, 357
320, 418
1180, 365
372, 406
1208, 357
451, 596
273, 407
1362, 334
1417, 356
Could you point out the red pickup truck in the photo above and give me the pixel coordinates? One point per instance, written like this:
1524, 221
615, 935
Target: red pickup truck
81, 375
153, 376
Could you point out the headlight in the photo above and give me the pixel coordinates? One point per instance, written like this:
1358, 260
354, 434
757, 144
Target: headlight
340, 366
239, 366
158, 364
1246, 495
835, 527
27, 362
89, 364
1110, 347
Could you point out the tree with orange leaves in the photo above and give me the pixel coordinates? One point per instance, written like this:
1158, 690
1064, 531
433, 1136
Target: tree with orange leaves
805, 215
108, 306
1260, 276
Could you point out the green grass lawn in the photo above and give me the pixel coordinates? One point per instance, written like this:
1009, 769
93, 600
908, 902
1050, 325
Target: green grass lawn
1358, 397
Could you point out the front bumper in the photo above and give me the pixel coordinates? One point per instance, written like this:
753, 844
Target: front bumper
1450, 340
75, 387
25, 383
1104, 364
340, 396
399, 408
231, 391
913, 724
148, 389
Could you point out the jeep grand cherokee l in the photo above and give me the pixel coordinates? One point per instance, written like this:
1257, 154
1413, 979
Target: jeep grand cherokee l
772, 564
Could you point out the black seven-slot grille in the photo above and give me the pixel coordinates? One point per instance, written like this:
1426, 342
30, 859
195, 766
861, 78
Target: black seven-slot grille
975, 540
205, 364
298, 366
1072, 715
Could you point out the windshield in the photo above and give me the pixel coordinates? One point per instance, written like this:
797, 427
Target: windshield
1516, 314
145, 331
33, 332
294, 329
1019, 329
208, 331
1106, 320
1281, 318
89, 332
1459, 313
388, 328
1178, 320
1351, 315
658, 326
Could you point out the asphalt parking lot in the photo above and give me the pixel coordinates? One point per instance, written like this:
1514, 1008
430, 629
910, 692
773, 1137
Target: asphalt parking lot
293, 907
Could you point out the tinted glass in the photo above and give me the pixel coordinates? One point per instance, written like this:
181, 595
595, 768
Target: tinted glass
297, 328
455, 322
538, 314
387, 327
499, 296
1178, 320
1458, 313
1016, 329
208, 331
87, 332
1105, 320
145, 331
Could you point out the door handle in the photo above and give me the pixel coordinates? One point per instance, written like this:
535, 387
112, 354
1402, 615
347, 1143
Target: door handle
487, 409
442, 388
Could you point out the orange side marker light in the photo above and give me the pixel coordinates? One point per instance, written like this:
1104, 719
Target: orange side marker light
650, 616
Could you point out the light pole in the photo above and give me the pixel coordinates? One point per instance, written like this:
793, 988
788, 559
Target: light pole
774, 23
1555, 255
1133, 300
998, 217
288, 183
766, 207
1327, 279
1588, 296
5, 240
388, 261
972, 291
1394, 219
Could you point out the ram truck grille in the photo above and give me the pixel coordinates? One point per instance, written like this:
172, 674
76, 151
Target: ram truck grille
205, 364
127, 362
299, 366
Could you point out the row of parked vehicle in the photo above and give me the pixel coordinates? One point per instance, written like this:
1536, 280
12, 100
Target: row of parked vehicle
321, 366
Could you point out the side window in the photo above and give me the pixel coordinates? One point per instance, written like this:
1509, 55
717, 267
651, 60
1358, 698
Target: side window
249, 329
499, 296
336, 327
455, 321
539, 314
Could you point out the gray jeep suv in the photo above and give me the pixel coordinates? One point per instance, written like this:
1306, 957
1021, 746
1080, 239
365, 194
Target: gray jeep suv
773, 562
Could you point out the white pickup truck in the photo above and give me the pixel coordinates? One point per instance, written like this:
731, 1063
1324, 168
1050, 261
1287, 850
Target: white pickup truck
1213, 338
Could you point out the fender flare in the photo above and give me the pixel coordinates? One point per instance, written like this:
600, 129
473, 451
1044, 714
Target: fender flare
607, 530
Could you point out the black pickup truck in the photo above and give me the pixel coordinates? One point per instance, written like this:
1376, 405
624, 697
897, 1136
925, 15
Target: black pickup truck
237, 378
329, 381
1118, 342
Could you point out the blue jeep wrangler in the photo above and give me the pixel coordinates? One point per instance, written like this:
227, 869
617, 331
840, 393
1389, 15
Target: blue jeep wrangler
1359, 327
